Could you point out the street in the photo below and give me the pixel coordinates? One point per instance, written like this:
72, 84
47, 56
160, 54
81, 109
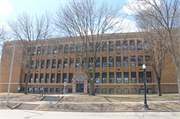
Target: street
26, 114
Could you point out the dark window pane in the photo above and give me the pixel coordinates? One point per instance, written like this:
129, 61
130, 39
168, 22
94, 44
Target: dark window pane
118, 77
133, 61
47, 78
132, 45
77, 62
36, 78
52, 78
118, 46
118, 61
41, 78
48, 64
141, 77
58, 78
104, 46
111, 62
97, 76
140, 60
71, 63
104, 61
125, 60
104, 78
125, 46
133, 77
54, 63
98, 62
111, 77
139, 45
70, 77
111, 46
64, 77
42, 64
126, 77
59, 63
65, 63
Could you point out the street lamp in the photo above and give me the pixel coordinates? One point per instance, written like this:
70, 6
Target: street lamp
10, 76
145, 106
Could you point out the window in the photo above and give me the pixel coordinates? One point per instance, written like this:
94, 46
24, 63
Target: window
139, 45
126, 77
111, 62
118, 75
77, 62
104, 91
118, 45
125, 60
32, 64
141, 77
66, 49
133, 77
78, 48
25, 78
133, 61
97, 76
146, 45
42, 64
148, 74
37, 64
33, 51
44, 51
111, 46
91, 47
125, 46
132, 45
70, 77
57, 89
48, 64
54, 63
31, 78
104, 46
69, 90
27, 64
47, 78
104, 78
65, 63
118, 61
141, 91
84, 47
98, 46
64, 77
49, 50
148, 62
54, 50
90, 62
111, 90
58, 77
104, 61
133, 91
36, 78
98, 62
59, 63
46, 90
38, 51
41, 78
72, 48
126, 91
51, 89
111, 77
52, 78
140, 60
97, 90
149, 91
60, 49
118, 91
71, 63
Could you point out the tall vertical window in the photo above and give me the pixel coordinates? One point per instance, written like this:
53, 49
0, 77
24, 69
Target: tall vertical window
54, 63
104, 61
77, 62
60, 49
132, 45
148, 75
59, 63
133, 61
71, 63
96, 76
125, 46
65, 63
33, 51
111, 46
58, 78
91, 62
52, 78
146, 45
42, 64
66, 49
140, 60
139, 45
36, 78
141, 77
91, 47
72, 48
111, 77
47, 78
118, 61
118, 75
48, 64
37, 64
111, 62
70, 77
98, 62
98, 46
31, 78
78, 48
64, 77
25, 78
44, 51
118, 45
111, 90
54, 50
125, 61
104, 78
49, 50
84, 62
148, 62
126, 77
32, 64
38, 51
104, 46
41, 78
133, 77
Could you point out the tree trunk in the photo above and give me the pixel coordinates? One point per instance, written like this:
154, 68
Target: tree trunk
178, 76
92, 89
159, 86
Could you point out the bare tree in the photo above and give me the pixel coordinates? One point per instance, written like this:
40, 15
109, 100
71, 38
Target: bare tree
30, 31
86, 25
161, 18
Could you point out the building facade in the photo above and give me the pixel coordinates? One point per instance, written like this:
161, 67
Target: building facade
124, 74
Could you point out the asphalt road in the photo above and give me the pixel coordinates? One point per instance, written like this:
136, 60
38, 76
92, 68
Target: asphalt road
26, 114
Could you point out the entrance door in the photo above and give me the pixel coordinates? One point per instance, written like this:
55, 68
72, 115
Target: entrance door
79, 88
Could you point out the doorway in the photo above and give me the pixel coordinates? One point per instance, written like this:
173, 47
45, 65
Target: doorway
79, 88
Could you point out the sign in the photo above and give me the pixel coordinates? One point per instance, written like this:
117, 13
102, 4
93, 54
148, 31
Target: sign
64, 83
79, 81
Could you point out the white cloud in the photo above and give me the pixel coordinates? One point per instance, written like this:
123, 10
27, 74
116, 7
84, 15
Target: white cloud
5, 8
4, 27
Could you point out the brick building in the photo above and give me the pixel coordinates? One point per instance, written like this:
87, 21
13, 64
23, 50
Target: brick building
124, 75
